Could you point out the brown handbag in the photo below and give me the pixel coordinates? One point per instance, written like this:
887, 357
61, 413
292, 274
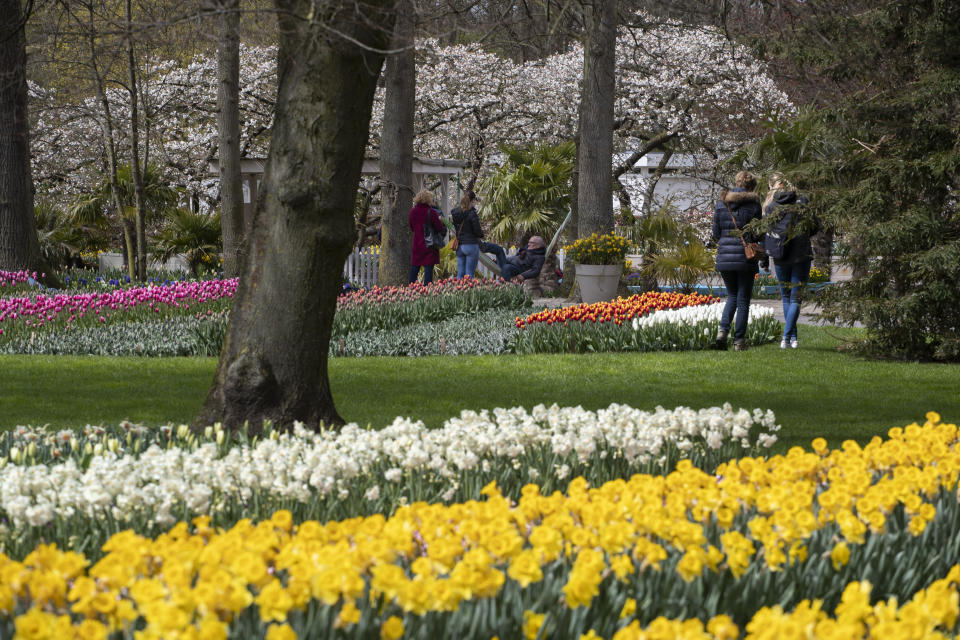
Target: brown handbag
752, 250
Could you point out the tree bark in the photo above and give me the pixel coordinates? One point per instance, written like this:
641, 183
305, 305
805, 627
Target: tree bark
228, 125
396, 152
595, 155
274, 361
135, 172
109, 141
19, 246
651, 187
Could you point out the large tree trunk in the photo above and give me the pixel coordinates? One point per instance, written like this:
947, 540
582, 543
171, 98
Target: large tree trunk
595, 156
135, 173
274, 361
228, 125
19, 247
396, 153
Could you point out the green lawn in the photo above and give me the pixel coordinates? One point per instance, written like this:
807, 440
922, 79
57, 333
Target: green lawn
814, 390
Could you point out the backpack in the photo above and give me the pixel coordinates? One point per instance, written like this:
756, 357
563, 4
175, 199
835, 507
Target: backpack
775, 242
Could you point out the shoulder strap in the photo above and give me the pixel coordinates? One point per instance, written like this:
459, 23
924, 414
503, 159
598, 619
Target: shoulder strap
460, 228
735, 225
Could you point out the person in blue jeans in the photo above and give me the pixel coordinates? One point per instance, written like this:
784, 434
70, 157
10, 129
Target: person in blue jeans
737, 207
466, 224
525, 265
793, 268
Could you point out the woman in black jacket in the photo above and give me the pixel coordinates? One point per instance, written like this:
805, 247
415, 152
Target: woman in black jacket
466, 224
791, 251
737, 207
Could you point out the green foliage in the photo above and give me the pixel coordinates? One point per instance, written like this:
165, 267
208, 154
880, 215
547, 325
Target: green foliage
156, 391
482, 332
192, 234
529, 194
61, 237
883, 165
443, 301
97, 207
667, 336
671, 251
167, 337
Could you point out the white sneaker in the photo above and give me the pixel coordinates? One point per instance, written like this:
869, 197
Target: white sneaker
794, 344
784, 344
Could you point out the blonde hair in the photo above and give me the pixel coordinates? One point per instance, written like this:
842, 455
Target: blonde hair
424, 196
465, 201
745, 180
776, 182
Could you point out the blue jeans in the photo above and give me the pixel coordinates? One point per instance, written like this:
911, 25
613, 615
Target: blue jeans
739, 286
467, 257
507, 269
792, 277
427, 273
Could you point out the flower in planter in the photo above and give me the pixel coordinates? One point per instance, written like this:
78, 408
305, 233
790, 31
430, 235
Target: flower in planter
598, 249
819, 275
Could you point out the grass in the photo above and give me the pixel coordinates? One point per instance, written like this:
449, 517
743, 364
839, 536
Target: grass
815, 391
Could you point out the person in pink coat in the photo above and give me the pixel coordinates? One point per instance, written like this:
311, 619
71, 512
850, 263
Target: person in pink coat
423, 213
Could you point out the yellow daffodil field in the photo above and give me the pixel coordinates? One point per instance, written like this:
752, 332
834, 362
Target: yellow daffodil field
848, 542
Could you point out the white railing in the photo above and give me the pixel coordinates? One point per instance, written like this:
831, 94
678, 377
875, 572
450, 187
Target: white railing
360, 269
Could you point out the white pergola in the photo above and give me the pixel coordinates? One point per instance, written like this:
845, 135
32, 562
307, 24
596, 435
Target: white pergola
251, 175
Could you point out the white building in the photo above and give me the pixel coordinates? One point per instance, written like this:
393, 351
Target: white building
678, 186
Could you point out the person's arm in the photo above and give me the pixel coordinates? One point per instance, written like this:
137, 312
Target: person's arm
536, 264
716, 223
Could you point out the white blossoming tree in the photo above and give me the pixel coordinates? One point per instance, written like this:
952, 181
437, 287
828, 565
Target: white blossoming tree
680, 87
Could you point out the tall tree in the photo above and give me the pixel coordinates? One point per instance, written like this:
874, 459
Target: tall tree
88, 26
19, 247
274, 361
140, 214
881, 161
595, 152
228, 126
396, 151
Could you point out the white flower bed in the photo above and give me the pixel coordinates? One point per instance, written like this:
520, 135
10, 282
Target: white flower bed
199, 477
690, 316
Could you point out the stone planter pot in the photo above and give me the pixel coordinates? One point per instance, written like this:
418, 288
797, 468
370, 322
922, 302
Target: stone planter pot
598, 282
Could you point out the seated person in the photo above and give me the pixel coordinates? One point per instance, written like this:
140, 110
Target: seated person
523, 266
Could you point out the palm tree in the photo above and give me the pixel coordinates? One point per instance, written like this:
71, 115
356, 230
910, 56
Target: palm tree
670, 251
61, 237
530, 193
95, 209
194, 235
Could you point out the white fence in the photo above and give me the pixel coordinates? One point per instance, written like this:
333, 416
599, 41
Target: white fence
108, 261
360, 269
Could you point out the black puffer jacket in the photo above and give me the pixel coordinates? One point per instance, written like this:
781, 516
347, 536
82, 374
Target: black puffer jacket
799, 247
530, 261
745, 206
471, 232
